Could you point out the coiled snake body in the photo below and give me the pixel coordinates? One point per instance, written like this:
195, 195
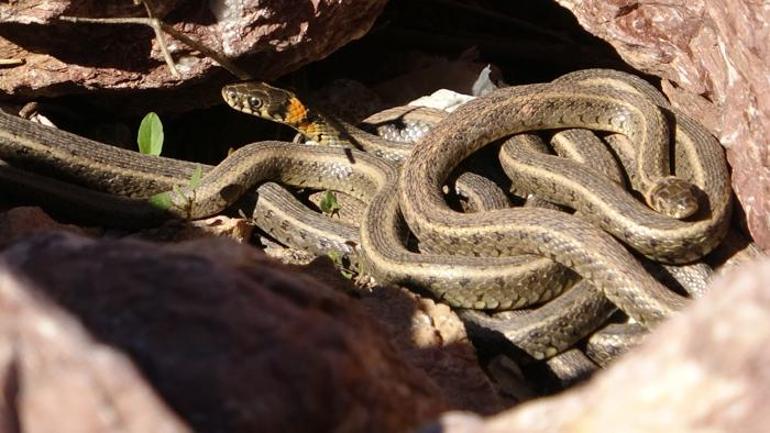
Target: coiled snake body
471, 258
593, 254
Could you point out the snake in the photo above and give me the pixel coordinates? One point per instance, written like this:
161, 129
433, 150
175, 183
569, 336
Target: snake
283, 106
517, 281
540, 332
130, 175
247, 98
593, 254
240, 97
700, 160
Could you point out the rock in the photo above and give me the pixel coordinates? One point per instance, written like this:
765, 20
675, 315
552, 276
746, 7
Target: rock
704, 370
230, 340
237, 229
58, 377
46, 11
434, 339
266, 38
713, 57
21, 221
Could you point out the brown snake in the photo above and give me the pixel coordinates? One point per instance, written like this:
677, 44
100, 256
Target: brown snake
648, 305
470, 281
570, 241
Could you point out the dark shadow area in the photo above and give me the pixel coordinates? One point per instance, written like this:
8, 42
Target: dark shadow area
530, 42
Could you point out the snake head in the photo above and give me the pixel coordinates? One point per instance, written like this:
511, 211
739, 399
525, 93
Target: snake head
674, 197
279, 105
260, 99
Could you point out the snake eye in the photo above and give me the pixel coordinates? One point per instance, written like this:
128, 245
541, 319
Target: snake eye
255, 102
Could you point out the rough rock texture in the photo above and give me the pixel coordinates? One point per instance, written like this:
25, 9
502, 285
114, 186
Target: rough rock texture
714, 57
434, 339
230, 340
57, 377
267, 38
44, 11
705, 370
218, 226
23, 221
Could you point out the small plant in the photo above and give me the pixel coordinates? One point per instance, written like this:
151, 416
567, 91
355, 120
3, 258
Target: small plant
150, 141
150, 136
164, 200
329, 204
349, 268
195, 177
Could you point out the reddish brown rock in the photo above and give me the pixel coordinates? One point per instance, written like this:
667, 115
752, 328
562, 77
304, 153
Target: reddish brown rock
713, 56
231, 340
434, 339
57, 377
237, 229
705, 370
22, 221
267, 38
45, 11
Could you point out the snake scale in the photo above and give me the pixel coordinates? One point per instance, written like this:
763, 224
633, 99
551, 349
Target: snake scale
471, 255
565, 239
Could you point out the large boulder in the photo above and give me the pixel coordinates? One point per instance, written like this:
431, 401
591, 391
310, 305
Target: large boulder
266, 38
126, 335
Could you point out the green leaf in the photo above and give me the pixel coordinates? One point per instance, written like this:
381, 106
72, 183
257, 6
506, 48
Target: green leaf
161, 201
195, 178
335, 257
341, 262
150, 136
329, 204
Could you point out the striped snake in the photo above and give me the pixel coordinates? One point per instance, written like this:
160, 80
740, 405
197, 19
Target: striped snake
595, 255
477, 281
700, 160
